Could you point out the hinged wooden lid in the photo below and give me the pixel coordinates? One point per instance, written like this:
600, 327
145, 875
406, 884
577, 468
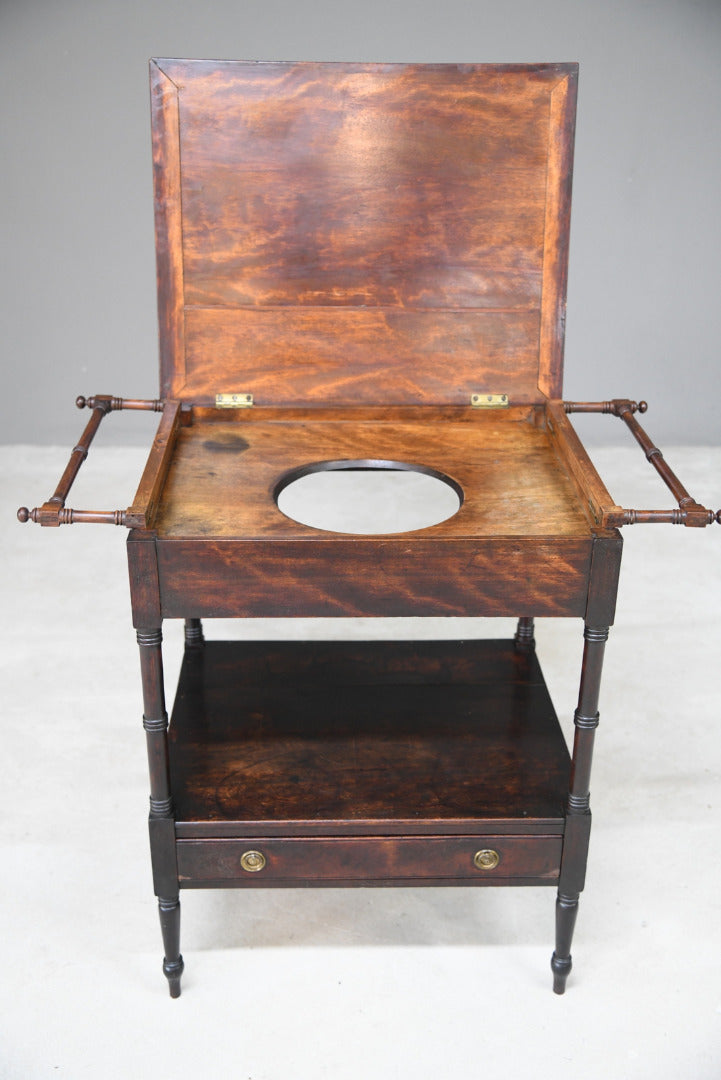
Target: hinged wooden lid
362, 233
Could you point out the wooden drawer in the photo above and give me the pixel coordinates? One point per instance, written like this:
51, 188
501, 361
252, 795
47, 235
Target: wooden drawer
479, 860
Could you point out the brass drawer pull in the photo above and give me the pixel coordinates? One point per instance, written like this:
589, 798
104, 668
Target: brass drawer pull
487, 859
252, 861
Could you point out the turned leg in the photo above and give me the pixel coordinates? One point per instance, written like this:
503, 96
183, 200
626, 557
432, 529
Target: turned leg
161, 822
578, 814
194, 634
524, 639
566, 912
169, 909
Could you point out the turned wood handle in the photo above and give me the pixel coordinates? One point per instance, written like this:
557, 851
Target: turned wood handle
611, 407
688, 512
53, 512
66, 516
114, 404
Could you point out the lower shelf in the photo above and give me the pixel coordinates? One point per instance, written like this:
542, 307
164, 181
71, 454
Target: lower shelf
366, 763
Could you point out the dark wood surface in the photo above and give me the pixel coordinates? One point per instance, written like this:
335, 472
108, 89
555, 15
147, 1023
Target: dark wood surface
324, 226
580, 469
224, 472
427, 860
375, 738
578, 822
521, 541
363, 248
365, 576
333, 237
143, 511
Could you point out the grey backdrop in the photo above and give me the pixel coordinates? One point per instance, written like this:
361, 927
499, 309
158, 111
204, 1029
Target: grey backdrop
78, 272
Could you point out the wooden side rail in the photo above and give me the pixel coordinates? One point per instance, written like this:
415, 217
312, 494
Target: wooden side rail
54, 512
114, 404
688, 512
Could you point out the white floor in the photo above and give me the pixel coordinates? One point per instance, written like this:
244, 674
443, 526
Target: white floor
384, 983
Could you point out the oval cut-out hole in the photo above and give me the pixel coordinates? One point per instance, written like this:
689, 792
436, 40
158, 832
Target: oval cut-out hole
368, 497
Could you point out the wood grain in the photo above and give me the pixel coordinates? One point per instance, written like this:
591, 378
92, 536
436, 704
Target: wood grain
378, 737
143, 573
301, 356
343, 218
561, 128
224, 473
374, 578
141, 514
574, 459
168, 223
430, 860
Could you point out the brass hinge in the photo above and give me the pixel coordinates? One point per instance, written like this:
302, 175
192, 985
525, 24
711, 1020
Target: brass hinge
233, 401
489, 401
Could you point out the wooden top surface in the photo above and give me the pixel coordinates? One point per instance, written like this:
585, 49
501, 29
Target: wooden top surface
224, 471
361, 233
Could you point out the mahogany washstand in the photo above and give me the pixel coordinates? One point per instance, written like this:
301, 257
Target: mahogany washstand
364, 266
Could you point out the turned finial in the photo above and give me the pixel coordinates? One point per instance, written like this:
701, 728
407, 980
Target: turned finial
23, 514
642, 406
80, 401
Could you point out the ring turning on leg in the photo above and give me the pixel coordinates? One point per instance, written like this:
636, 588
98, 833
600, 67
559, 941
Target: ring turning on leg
173, 965
578, 813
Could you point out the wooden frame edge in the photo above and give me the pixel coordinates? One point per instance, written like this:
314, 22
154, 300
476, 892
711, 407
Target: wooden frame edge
594, 495
562, 127
141, 513
165, 124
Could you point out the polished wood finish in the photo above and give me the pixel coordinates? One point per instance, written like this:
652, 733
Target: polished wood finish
323, 226
429, 860
141, 514
173, 966
574, 460
113, 404
144, 584
690, 513
371, 577
364, 248
161, 827
613, 407
578, 823
219, 490
561, 130
524, 640
294, 356
224, 473
603, 578
194, 637
387, 737
51, 514
54, 512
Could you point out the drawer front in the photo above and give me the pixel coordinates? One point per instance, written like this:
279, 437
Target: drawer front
481, 860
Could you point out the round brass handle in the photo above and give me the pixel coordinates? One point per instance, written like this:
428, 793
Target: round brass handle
487, 859
252, 861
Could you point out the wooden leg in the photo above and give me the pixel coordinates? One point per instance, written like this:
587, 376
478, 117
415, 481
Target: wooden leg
194, 634
161, 821
566, 912
169, 908
524, 639
578, 814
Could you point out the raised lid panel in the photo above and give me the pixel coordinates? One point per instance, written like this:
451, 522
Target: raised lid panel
374, 233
